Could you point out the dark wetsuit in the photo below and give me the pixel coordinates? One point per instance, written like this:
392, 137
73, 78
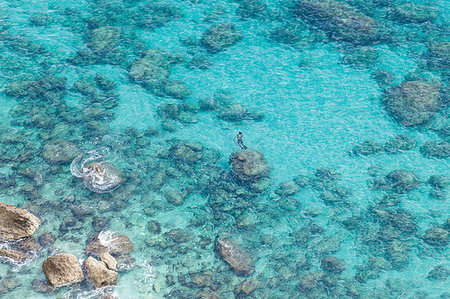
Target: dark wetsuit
239, 141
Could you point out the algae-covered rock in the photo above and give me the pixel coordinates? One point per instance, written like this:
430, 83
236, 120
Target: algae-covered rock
402, 181
409, 12
367, 148
413, 103
234, 112
437, 236
221, 36
362, 58
439, 54
245, 288
439, 181
152, 70
104, 39
400, 143
436, 149
62, 269
249, 165
341, 21
332, 264
177, 89
60, 152
16, 223
235, 256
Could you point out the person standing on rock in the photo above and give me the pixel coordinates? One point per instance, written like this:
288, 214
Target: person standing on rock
239, 141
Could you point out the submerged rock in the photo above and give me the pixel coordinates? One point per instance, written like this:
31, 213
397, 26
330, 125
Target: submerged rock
99, 274
437, 237
60, 152
221, 36
439, 181
249, 165
367, 148
362, 58
400, 143
235, 256
402, 181
16, 223
413, 103
245, 288
409, 12
436, 149
341, 21
62, 269
332, 264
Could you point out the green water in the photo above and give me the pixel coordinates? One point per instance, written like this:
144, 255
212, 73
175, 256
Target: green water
316, 108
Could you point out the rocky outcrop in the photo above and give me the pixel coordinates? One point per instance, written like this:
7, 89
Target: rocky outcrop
98, 273
109, 261
437, 236
249, 165
402, 181
235, 256
16, 223
62, 269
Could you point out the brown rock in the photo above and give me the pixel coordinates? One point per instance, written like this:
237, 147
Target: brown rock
16, 256
235, 256
16, 223
99, 274
62, 269
29, 244
109, 260
207, 295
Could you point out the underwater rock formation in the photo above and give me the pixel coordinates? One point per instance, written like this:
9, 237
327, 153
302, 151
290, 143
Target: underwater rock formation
16, 223
402, 181
439, 54
437, 236
361, 58
249, 165
221, 36
99, 274
14, 255
413, 103
104, 39
400, 143
409, 12
60, 152
341, 21
367, 148
235, 256
97, 175
436, 149
62, 269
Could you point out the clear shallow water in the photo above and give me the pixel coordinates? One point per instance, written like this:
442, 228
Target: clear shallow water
316, 109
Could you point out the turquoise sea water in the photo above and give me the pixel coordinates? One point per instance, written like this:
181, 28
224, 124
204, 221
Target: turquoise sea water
317, 103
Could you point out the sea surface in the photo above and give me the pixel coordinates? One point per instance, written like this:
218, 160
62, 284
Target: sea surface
143, 85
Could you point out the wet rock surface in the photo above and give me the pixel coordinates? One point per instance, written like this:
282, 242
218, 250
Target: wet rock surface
98, 273
16, 223
249, 165
62, 269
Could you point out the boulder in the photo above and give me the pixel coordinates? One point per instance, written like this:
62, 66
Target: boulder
367, 148
104, 39
99, 274
288, 188
60, 152
99, 177
413, 103
234, 112
437, 236
16, 223
439, 181
249, 165
235, 256
62, 269
152, 70
109, 261
439, 54
221, 36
